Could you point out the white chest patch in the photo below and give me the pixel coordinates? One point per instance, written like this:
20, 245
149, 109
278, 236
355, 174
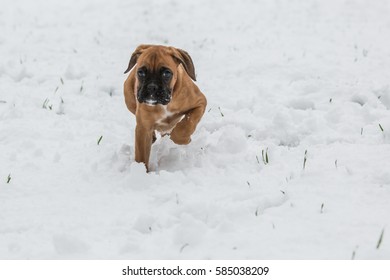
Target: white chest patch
165, 115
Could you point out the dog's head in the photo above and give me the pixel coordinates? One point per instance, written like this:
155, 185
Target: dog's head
156, 72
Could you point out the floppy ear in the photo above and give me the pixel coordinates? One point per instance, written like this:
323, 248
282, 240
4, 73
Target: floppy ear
184, 58
134, 57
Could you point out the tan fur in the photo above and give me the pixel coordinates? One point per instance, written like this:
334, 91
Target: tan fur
180, 116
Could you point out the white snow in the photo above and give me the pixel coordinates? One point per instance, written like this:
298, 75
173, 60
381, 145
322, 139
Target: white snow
282, 77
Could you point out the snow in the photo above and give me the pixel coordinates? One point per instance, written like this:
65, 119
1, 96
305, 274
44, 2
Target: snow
282, 77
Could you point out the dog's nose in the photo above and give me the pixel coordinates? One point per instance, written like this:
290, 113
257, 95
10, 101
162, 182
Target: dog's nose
152, 88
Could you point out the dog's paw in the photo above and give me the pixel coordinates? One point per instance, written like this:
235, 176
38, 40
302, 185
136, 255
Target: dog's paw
180, 140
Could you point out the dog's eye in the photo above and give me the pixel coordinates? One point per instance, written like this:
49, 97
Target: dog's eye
141, 73
166, 74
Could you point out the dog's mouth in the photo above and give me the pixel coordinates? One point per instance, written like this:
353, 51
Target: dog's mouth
150, 102
154, 100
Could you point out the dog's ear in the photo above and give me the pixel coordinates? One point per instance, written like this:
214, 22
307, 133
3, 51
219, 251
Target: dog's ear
184, 58
134, 57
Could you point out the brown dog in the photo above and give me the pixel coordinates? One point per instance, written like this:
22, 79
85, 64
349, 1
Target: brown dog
160, 92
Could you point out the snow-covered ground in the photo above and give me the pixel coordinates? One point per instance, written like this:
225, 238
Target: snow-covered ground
289, 79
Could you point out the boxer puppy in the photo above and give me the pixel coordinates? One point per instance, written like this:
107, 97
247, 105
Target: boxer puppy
161, 93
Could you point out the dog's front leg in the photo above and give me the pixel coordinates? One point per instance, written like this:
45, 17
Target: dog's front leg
143, 144
182, 132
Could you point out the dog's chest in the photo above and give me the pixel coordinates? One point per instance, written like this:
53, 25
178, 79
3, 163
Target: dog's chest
167, 120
